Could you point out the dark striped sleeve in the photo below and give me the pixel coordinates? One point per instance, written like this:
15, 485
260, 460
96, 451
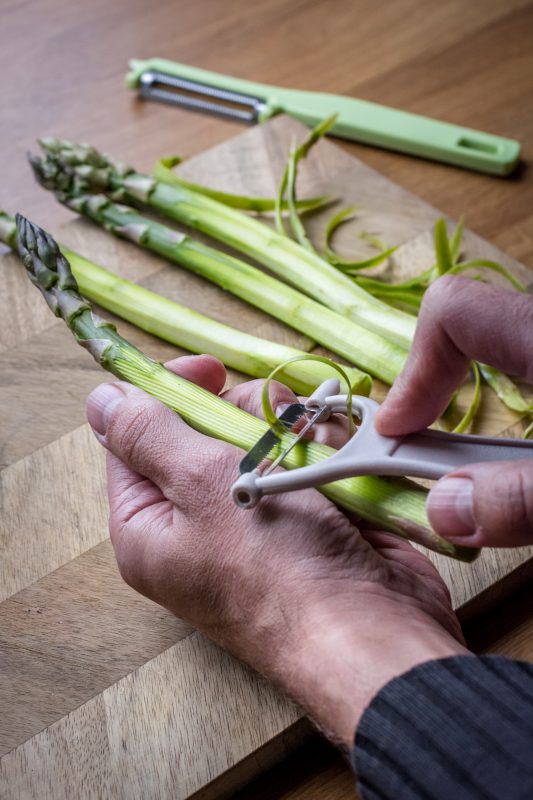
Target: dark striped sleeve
451, 729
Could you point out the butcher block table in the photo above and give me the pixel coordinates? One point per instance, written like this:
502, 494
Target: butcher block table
103, 693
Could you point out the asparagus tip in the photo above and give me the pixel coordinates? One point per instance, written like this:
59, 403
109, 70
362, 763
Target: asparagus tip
36, 163
48, 142
35, 245
48, 268
60, 178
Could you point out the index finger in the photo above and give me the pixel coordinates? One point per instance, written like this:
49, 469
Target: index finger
461, 320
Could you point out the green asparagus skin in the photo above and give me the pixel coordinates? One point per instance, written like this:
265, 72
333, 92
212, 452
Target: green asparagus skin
191, 330
305, 270
8, 230
395, 505
370, 351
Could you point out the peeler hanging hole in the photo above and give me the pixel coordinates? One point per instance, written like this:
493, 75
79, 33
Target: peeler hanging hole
472, 144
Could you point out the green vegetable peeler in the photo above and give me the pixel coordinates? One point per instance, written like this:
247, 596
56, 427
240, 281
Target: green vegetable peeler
200, 90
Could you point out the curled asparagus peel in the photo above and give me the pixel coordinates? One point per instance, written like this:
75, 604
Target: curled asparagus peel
84, 165
396, 505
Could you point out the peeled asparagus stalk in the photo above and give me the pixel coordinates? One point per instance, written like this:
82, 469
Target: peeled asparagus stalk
193, 331
305, 270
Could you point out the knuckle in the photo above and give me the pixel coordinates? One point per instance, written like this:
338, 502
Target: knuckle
249, 396
115, 526
446, 313
209, 465
440, 291
142, 551
333, 433
129, 428
128, 572
522, 505
503, 502
342, 536
127, 565
447, 296
279, 393
195, 473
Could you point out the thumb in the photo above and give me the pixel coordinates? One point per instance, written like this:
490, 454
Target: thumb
485, 505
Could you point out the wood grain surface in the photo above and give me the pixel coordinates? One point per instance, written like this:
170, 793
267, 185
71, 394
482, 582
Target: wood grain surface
68, 643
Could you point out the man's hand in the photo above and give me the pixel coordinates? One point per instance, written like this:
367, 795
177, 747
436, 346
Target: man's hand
291, 587
463, 320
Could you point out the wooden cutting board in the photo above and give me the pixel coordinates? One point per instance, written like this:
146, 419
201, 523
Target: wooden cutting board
102, 693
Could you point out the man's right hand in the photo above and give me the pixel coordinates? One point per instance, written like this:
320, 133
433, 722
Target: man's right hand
463, 320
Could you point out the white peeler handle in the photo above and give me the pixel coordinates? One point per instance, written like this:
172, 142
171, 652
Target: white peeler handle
427, 454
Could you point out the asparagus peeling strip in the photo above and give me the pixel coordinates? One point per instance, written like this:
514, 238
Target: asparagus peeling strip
408, 294
288, 183
370, 351
343, 264
507, 391
191, 330
397, 505
163, 171
288, 187
293, 263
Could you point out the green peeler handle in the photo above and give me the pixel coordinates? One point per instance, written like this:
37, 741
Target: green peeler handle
390, 128
361, 120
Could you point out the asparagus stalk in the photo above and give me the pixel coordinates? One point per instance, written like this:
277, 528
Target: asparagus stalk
370, 351
397, 505
189, 329
293, 263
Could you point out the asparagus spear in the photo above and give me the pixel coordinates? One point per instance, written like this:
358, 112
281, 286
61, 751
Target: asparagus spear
396, 505
193, 331
370, 351
293, 263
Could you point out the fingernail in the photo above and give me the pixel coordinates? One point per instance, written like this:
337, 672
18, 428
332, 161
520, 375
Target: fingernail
451, 507
100, 405
281, 408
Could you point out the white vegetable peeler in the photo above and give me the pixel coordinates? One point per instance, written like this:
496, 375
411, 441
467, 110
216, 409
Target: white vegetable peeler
426, 454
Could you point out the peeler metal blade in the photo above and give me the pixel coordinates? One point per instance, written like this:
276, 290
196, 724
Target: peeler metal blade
314, 410
268, 443
195, 96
